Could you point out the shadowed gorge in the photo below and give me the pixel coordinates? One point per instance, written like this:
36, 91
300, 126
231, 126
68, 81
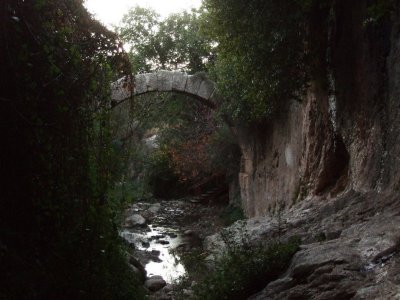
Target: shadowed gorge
237, 150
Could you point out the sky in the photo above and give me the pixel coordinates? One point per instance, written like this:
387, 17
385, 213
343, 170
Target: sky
110, 12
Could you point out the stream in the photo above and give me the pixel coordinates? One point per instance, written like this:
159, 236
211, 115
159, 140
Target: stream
161, 231
156, 246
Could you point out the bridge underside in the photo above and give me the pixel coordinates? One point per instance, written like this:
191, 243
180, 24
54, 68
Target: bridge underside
197, 86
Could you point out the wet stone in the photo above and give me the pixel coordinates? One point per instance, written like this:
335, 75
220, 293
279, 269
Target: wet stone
135, 220
157, 237
188, 232
155, 283
156, 259
163, 242
168, 220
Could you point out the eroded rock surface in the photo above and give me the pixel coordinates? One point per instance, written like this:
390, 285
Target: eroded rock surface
349, 247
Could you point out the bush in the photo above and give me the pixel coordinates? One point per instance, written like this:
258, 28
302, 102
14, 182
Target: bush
246, 269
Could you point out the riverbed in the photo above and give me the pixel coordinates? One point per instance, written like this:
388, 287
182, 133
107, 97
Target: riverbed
170, 229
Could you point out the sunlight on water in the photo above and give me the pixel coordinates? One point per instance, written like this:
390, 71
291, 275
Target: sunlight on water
170, 268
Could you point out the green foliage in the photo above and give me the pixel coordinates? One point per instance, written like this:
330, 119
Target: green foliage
195, 267
162, 179
174, 43
58, 238
231, 214
261, 59
170, 117
245, 269
223, 151
120, 194
184, 126
379, 10
186, 134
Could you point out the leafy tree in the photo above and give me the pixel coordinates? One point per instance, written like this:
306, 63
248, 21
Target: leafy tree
186, 130
261, 58
175, 43
57, 237
183, 127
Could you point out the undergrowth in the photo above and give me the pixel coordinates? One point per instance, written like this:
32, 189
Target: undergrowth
244, 270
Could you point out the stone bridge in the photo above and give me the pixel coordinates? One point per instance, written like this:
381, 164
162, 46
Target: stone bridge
197, 86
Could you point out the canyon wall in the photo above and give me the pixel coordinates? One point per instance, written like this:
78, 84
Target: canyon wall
344, 135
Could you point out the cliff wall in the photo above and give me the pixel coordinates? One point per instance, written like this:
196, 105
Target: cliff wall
344, 135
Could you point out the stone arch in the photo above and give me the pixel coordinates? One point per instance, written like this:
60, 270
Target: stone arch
197, 86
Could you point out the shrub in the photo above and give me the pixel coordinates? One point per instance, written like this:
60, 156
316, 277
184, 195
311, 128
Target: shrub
245, 269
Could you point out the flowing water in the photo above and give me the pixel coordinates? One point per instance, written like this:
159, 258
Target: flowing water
156, 243
170, 266
173, 228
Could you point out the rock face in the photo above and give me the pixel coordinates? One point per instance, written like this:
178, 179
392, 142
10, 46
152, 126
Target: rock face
350, 248
344, 135
362, 262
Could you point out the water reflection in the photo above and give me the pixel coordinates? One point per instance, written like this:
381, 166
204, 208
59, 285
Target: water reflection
170, 267
159, 241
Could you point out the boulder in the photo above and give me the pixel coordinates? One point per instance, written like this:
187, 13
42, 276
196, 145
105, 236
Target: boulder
154, 208
137, 267
168, 288
152, 211
139, 274
155, 283
135, 220
188, 293
145, 244
188, 232
172, 235
327, 270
